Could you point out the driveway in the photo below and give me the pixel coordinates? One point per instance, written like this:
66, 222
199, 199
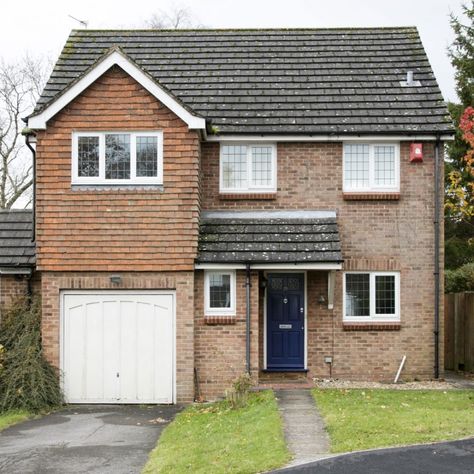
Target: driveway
454, 457
85, 439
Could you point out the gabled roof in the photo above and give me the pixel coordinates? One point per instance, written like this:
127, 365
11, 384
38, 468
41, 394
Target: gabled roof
283, 237
277, 81
111, 58
17, 251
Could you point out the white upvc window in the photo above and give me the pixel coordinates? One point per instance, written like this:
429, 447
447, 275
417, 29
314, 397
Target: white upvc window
248, 168
117, 158
371, 167
219, 293
371, 296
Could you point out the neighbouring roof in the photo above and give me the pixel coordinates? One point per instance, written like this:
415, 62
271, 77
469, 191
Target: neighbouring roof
308, 81
17, 251
269, 237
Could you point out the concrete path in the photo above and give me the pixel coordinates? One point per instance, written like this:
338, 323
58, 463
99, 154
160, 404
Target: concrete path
85, 439
454, 457
304, 428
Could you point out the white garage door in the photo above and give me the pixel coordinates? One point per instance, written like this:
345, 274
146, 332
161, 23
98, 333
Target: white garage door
117, 347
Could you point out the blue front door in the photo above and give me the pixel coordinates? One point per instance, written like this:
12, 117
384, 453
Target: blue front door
285, 321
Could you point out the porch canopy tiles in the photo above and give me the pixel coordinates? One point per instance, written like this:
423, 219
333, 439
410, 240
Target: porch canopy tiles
17, 250
270, 238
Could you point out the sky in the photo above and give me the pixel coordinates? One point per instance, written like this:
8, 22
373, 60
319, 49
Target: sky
41, 27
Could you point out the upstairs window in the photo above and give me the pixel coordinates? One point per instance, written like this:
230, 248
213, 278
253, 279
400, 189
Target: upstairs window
371, 167
248, 168
371, 296
117, 158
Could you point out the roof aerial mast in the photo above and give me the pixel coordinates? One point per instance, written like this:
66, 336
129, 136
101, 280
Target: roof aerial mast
84, 23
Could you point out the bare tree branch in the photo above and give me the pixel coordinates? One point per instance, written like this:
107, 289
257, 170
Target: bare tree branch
21, 82
177, 18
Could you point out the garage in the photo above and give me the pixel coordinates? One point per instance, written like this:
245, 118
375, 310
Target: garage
118, 346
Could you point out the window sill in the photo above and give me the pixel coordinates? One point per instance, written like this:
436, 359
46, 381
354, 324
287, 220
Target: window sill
371, 196
117, 187
219, 320
372, 326
247, 196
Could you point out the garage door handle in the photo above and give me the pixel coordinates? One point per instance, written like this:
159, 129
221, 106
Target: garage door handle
118, 375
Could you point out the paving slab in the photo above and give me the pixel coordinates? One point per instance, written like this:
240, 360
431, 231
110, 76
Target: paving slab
304, 428
92, 439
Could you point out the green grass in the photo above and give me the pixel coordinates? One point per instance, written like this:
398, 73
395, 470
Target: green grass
11, 417
215, 438
364, 419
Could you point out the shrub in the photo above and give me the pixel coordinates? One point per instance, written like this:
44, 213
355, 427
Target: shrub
27, 380
461, 279
239, 395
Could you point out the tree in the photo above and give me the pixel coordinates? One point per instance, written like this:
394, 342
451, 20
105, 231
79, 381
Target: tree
21, 83
459, 177
176, 18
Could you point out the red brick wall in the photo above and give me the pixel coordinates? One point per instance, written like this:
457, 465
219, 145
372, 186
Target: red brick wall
220, 349
376, 235
11, 287
182, 282
119, 229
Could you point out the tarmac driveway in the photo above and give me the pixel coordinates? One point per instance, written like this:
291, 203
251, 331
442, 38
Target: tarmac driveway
452, 457
85, 439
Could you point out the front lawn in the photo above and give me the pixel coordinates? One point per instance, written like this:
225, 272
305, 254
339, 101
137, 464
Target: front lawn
11, 417
215, 438
362, 419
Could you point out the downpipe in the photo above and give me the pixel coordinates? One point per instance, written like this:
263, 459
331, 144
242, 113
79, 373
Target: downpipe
247, 326
436, 258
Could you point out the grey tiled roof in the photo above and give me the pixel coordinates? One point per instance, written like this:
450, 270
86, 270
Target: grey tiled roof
268, 237
312, 81
16, 248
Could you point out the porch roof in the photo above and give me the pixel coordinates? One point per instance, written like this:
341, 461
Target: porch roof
269, 237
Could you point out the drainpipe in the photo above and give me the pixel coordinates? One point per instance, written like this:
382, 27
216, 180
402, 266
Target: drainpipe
247, 333
436, 260
33, 152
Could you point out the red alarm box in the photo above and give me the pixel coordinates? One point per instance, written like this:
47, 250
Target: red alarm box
416, 152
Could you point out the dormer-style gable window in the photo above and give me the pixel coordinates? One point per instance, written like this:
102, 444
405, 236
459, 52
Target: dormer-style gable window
248, 168
371, 167
117, 158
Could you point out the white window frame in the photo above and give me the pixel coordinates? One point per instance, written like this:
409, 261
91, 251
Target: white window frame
208, 311
101, 180
373, 317
250, 188
372, 186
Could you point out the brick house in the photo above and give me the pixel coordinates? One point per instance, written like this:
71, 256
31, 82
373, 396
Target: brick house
213, 202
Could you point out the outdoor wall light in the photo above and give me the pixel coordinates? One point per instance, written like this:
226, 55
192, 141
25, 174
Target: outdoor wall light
321, 299
116, 279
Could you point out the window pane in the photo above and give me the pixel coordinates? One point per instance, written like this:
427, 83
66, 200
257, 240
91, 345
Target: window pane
147, 156
88, 156
219, 291
385, 294
384, 157
234, 167
357, 294
356, 166
117, 156
262, 166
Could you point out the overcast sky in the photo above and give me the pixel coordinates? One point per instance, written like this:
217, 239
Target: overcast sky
42, 26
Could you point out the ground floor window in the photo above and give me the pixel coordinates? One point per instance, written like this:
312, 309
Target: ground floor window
371, 296
219, 292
